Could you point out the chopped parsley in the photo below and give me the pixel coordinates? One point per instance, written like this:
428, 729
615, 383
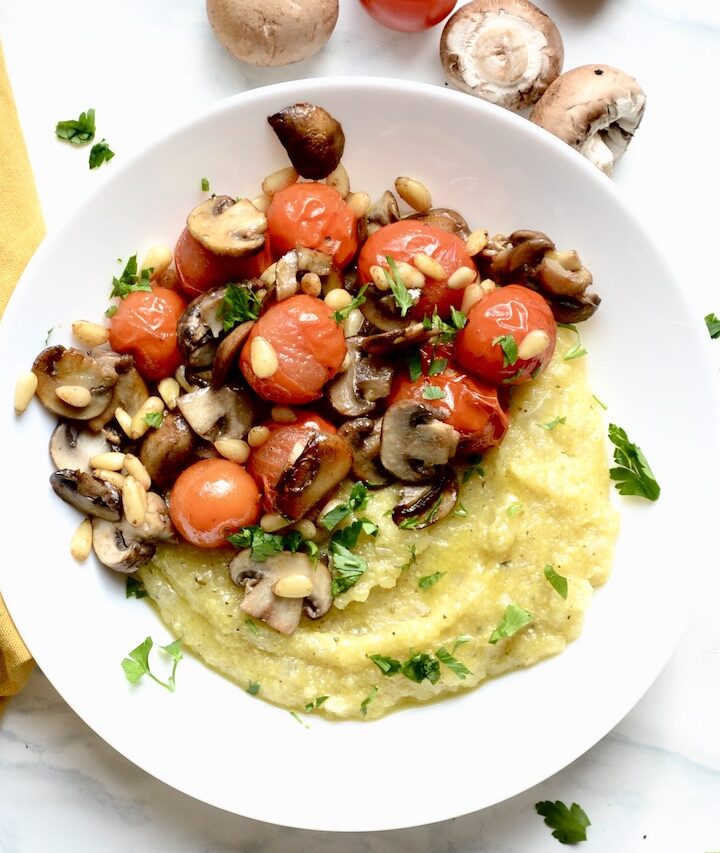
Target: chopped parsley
253, 688
239, 305
550, 425
452, 663
316, 703
400, 293
356, 302
129, 280
251, 626
633, 476
421, 666
437, 365
386, 665
100, 153
514, 619
296, 716
47, 336
556, 581
411, 559
457, 318
367, 700
577, 350
569, 824
414, 366
461, 640
445, 332
262, 544
205, 185
134, 588
600, 402
153, 419
713, 326
430, 580
77, 131
137, 663
514, 508
348, 568
460, 511
509, 347
355, 503
474, 469
432, 392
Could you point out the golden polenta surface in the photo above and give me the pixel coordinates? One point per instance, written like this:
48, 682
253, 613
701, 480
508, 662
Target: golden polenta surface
543, 500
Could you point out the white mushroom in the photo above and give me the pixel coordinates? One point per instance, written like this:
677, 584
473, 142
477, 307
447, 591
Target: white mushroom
228, 227
595, 109
504, 51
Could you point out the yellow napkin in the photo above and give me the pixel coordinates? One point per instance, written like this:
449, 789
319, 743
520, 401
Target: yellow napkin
21, 230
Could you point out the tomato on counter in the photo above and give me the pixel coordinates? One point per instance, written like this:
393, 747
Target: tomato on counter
211, 499
409, 16
145, 325
509, 336
301, 339
402, 241
315, 216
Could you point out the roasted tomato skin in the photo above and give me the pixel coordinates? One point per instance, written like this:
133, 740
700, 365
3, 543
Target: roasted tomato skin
513, 310
267, 462
309, 344
199, 270
402, 241
145, 325
211, 499
409, 16
312, 215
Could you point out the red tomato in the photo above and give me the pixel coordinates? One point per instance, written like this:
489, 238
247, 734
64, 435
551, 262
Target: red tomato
402, 241
491, 344
268, 461
200, 270
145, 325
308, 343
211, 499
409, 16
315, 216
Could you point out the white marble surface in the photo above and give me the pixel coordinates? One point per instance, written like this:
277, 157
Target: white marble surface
653, 784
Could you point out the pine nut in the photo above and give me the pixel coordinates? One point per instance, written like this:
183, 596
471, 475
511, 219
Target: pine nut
169, 390
268, 274
461, 278
134, 499
261, 202
359, 203
277, 181
112, 460
476, 242
353, 323
293, 586
90, 334
113, 477
263, 358
338, 299
139, 426
305, 528
414, 193
25, 389
273, 521
157, 259
488, 285
296, 451
77, 396
283, 415
81, 542
136, 469
310, 283
181, 380
473, 293
411, 276
534, 343
125, 421
429, 266
339, 180
257, 436
234, 449
379, 277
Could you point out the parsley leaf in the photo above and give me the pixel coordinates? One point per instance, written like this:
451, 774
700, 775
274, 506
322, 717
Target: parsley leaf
296, 716
600, 402
556, 581
422, 666
577, 350
367, 700
445, 332
316, 703
253, 688
460, 511
205, 185
430, 580
457, 318
153, 419
348, 568
137, 663
134, 588
130, 281
239, 305
414, 366
355, 503
356, 302
100, 153
509, 346
437, 365
461, 640
452, 663
550, 425
569, 824
402, 297
77, 131
633, 476
411, 560
262, 544
432, 392
713, 326
514, 618
386, 665
514, 508
251, 626
474, 468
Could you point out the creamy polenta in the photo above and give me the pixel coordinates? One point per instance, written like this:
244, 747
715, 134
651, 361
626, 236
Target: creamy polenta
543, 501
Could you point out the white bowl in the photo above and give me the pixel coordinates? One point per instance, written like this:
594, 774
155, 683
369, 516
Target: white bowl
648, 361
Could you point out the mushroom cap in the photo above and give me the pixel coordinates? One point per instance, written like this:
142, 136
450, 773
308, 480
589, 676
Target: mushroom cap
314, 140
504, 51
272, 32
596, 109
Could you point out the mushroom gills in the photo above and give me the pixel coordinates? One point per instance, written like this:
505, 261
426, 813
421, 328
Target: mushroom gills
422, 506
363, 436
90, 494
367, 379
72, 447
124, 548
415, 444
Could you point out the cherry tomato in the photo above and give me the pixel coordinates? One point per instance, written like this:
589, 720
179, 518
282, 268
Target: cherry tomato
200, 270
145, 325
308, 343
211, 499
315, 216
268, 461
494, 344
409, 16
402, 241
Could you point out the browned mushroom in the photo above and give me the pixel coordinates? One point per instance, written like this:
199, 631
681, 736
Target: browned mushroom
381, 310
228, 350
415, 443
444, 218
124, 548
293, 263
91, 495
363, 436
355, 391
313, 139
421, 506
129, 393
225, 226
414, 334
200, 328
57, 368
166, 450
214, 414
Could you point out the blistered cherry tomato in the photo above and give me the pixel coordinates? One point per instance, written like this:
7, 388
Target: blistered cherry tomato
145, 325
211, 499
308, 344
268, 461
402, 241
199, 269
509, 336
409, 16
315, 216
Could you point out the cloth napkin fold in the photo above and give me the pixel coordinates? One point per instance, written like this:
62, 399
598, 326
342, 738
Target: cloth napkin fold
21, 230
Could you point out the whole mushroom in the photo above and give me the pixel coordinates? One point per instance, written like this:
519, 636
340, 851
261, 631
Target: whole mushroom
271, 32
